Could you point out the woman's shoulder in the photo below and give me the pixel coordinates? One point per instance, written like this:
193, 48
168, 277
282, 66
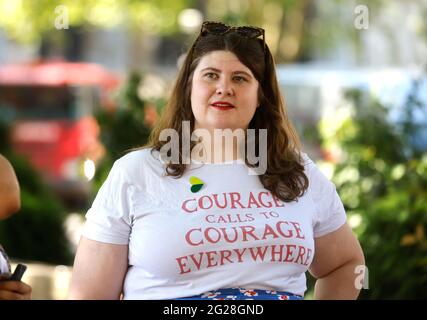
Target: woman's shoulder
308, 164
318, 182
137, 161
136, 156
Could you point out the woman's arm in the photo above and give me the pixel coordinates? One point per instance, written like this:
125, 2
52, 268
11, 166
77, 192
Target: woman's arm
336, 258
10, 198
99, 270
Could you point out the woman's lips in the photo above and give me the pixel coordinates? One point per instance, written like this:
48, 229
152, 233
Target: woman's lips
222, 105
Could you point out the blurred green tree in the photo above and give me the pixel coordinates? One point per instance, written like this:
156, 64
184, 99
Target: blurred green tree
28, 20
293, 28
382, 180
37, 231
123, 128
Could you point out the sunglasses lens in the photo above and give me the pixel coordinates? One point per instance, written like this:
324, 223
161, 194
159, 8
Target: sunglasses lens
249, 32
221, 29
215, 27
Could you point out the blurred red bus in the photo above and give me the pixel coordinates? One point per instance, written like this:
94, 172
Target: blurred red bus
50, 106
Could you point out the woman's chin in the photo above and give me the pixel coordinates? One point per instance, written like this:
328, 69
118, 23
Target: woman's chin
224, 126
219, 123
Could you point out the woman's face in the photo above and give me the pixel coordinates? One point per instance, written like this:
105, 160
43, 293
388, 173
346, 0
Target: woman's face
224, 92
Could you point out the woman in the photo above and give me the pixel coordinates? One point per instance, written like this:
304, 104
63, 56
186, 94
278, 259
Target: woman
163, 227
10, 203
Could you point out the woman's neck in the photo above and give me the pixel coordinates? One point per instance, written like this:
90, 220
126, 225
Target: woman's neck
217, 148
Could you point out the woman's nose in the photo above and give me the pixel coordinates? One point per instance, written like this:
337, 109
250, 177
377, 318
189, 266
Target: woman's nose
225, 88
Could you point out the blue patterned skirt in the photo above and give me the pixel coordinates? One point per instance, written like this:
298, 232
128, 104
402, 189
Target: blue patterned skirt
244, 294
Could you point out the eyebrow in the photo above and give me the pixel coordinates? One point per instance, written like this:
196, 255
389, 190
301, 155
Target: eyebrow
219, 71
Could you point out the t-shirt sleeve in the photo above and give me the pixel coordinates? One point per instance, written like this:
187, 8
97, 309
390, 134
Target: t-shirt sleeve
330, 212
109, 218
4, 261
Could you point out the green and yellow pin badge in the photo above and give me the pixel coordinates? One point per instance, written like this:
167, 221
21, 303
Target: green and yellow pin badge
196, 184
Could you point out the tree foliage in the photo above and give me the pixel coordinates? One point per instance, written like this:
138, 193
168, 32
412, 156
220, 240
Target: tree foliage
122, 129
28, 20
382, 180
293, 28
37, 231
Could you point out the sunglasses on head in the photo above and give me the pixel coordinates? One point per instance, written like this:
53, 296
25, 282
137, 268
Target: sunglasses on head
219, 28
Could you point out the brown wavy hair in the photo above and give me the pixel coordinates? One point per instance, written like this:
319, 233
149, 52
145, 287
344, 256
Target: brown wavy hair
284, 176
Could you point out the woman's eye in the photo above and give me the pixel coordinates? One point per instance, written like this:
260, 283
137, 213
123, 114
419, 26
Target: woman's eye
240, 79
211, 75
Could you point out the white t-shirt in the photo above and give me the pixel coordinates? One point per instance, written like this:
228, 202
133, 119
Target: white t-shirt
231, 233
